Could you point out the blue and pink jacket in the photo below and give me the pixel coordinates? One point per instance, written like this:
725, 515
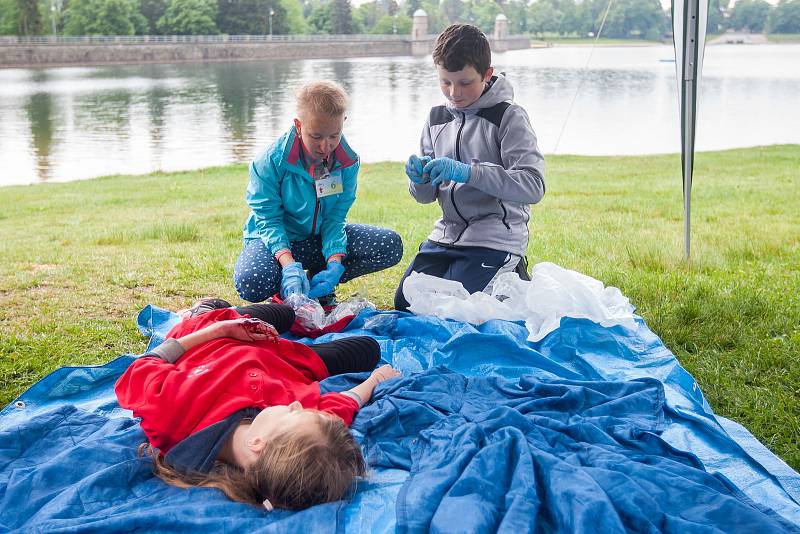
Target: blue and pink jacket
283, 202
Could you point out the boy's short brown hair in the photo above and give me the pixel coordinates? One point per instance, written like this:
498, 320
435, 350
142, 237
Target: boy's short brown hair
322, 98
462, 45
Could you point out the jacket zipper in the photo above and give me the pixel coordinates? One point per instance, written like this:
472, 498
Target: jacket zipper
453, 187
505, 214
316, 210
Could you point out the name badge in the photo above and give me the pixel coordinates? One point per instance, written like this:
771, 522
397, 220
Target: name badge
330, 185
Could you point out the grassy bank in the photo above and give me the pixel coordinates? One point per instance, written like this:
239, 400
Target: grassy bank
78, 260
783, 37
589, 41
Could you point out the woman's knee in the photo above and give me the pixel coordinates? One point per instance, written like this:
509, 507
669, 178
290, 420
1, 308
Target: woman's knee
385, 249
253, 286
394, 248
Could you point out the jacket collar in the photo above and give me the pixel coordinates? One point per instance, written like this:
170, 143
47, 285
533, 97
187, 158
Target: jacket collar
344, 156
500, 90
198, 452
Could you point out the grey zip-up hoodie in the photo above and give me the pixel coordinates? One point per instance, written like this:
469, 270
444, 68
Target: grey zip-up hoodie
495, 136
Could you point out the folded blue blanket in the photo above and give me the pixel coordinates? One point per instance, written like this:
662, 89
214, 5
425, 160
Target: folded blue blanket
591, 429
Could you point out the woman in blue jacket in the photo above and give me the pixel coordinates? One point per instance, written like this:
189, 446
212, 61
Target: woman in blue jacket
300, 191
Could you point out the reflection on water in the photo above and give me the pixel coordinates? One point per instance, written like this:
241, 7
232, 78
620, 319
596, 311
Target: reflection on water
71, 123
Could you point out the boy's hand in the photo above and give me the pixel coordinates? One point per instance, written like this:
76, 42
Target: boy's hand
414, 167
441, 169
383, 373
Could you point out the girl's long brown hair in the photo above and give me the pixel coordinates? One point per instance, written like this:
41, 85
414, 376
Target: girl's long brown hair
294, 471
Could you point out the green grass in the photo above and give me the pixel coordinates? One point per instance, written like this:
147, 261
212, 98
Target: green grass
78, 260
783, 37
603, 41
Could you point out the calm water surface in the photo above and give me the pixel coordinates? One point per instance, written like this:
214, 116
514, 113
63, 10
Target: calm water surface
64, 124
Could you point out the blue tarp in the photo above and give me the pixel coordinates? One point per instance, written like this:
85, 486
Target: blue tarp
593, 429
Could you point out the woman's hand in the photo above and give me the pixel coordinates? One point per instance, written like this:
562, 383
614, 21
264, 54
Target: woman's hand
247, 329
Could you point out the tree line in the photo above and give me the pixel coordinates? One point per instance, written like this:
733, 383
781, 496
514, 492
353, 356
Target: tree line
627, 19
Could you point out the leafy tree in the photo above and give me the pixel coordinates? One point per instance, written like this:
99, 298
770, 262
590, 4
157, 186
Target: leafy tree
103, 17
9, 15
517, 13
716, 20
635, 18
341, 17
29, 20
453, 10
294, 22
189, 17
367, 15
251, 17
543, 17
411, 6
319, 20
152, 10
386, 25
785, 17
436, 19
750, 15
578, 18
482, 14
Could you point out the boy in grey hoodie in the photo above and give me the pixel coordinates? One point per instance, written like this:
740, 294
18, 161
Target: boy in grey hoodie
480, 160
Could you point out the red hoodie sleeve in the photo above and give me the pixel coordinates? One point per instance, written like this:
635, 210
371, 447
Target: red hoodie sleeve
339, 405
143, 375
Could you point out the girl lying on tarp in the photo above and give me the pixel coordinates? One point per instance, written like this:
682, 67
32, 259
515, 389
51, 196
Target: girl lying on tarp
226, 403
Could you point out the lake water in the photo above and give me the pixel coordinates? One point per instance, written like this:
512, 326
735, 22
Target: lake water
63, 124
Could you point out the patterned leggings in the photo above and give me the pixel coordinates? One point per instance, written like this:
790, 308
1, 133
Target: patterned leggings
257, 275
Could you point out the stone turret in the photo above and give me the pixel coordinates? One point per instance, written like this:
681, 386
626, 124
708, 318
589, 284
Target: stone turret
419, 25
500, 27
420, 43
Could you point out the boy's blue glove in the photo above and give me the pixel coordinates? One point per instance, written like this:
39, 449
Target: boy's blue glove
324, 282
294, 280
414, 167
441, 169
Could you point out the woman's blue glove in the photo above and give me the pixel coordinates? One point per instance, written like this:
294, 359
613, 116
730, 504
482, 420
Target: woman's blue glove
294, 280
324, 282
414, 167
441, 169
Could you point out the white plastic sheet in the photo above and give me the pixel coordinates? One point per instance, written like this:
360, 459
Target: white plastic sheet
553, 292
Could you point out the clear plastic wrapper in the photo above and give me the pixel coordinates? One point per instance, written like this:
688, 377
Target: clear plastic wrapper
311, 316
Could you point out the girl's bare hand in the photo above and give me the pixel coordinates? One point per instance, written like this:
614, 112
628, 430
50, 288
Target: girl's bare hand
384, 372
248, 329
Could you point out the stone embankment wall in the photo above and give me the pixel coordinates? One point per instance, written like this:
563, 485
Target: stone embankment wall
99, 54
50, 55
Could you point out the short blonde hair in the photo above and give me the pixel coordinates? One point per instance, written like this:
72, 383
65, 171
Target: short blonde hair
322, 98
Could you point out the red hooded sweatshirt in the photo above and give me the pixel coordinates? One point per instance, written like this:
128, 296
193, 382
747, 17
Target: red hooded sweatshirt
219, 377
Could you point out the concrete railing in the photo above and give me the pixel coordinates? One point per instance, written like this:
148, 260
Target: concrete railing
189, 39
100, 50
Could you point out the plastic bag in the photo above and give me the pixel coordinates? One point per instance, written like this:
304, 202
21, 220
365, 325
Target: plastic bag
431, 295
552, 293
311, 315
555, 292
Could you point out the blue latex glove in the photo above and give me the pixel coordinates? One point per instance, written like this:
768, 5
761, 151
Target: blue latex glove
441, 169
294, 280
324, 282
414, 167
